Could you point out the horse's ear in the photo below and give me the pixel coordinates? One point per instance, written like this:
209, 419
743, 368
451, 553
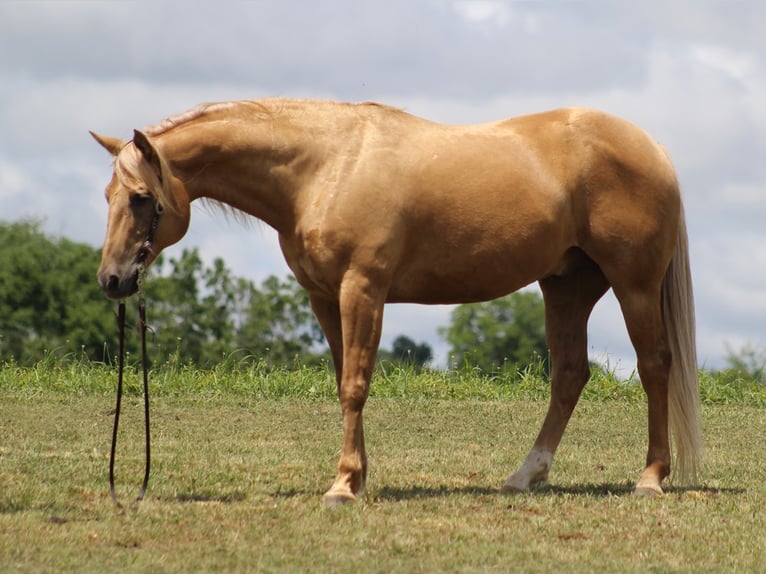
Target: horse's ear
112, 145
147, 149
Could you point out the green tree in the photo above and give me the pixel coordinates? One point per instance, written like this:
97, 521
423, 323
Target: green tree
278, 324
504, 333
200, 313
49, 297
191, 308
407, 352
748, 363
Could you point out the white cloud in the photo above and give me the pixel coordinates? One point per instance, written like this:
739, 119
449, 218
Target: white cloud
484, 11
13, 181
735, 64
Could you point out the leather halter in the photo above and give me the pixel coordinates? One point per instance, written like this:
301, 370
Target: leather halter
146, 248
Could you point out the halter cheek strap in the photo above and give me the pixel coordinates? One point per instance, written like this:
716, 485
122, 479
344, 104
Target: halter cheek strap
146, 248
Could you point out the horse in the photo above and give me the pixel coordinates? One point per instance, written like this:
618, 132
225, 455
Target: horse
374, 205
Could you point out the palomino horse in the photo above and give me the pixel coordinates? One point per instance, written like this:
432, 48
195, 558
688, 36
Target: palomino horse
374, 205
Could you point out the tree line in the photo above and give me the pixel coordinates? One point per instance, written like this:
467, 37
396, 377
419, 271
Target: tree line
200, 313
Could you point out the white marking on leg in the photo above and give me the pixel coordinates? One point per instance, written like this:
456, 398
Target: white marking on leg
534, 471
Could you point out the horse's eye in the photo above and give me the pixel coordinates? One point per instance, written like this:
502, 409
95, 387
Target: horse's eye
137, 199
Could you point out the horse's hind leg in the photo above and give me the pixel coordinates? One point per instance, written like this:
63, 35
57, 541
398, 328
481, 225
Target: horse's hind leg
569, 300
643, 318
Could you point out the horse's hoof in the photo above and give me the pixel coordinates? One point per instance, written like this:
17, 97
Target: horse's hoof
509, 488
338, 499
649, 484
519, 483
648, 491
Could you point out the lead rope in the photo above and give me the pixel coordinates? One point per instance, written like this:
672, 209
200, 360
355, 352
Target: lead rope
121, 368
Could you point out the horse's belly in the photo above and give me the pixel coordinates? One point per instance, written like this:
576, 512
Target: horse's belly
459, 280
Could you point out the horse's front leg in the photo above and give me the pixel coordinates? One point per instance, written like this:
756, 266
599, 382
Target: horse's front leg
361, 313
327, 313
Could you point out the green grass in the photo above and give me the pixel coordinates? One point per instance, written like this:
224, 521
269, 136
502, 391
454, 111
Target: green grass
241, 457
71, 375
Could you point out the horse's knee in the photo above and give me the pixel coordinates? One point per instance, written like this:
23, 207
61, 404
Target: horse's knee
353, 393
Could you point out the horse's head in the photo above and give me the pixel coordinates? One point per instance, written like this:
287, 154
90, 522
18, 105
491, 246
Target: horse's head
148, 210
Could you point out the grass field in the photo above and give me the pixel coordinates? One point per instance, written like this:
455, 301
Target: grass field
241, 459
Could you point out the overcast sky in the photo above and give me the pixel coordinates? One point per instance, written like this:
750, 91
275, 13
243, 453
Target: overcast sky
692, 73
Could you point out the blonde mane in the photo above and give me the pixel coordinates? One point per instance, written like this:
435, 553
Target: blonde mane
201, 110
266, 108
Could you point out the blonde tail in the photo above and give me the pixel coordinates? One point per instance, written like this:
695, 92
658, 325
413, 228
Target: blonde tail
683, 387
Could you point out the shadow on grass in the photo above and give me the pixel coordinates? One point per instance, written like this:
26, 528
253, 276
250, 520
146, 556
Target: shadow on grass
419, 492
394, 494
626, 488
586, 490
207, 496
296, 493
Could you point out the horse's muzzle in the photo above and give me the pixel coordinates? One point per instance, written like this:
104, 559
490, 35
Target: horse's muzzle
116, 287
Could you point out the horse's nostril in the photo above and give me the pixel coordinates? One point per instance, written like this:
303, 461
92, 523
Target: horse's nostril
113, 283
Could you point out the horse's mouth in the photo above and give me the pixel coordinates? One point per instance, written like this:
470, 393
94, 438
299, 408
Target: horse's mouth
116, 287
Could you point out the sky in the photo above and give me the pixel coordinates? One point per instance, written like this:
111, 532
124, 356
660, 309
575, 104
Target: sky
692, 73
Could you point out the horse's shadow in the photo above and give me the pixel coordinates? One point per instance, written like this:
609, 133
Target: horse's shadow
593, 490
209, 496
402, 494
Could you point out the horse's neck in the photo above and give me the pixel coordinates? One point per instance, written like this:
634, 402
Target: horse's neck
258, 165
